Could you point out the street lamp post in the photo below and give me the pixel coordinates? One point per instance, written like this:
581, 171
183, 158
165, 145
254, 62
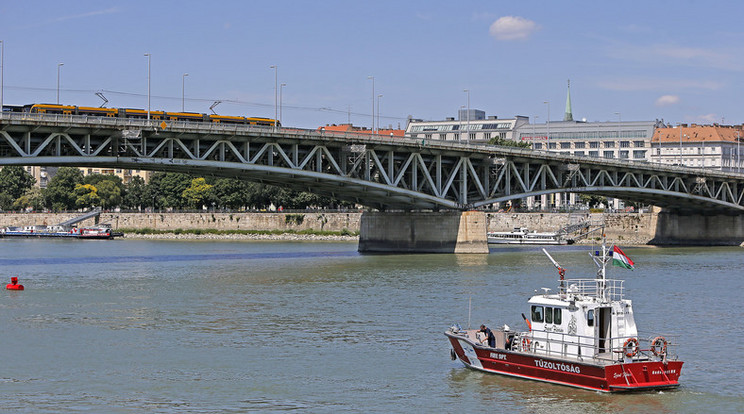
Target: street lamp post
373, 102
276, 84
738, 153
547, 139
379, 98
183, 92
468, 115
2, 71
149, 58
281, 89
59, 65
459, 119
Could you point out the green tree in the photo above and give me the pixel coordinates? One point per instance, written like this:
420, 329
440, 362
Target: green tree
592, 200
508, 143
109, 193
231, 193
135, 194
14, 181
169, 187
198, 194
86, 196
32, 198
60, 192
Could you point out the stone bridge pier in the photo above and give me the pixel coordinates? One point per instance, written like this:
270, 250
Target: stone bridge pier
698, 229
423, 232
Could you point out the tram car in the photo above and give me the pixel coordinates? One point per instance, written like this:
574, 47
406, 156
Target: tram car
140, 114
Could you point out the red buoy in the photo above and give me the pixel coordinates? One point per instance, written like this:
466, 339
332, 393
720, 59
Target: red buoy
13, 285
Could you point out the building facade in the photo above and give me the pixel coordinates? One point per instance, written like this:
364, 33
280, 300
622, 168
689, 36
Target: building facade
700, 146
471, 126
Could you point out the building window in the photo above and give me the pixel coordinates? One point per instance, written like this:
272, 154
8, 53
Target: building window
624, 154
624, 144
565, 145
580, 145
551, 145
639, 144
639, 154
537, 145
428, 136
578, 152
594, 144
443, 137
594, 153
609, 144
608, 154
486, 135
472, 135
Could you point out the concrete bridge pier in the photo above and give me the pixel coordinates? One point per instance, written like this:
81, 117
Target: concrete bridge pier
423, 232
698, 229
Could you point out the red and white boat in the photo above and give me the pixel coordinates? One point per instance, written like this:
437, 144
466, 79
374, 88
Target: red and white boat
583, 336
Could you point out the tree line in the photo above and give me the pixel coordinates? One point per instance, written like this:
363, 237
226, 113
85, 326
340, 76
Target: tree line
69, 189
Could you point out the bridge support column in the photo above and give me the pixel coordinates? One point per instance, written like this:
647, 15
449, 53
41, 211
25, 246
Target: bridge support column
414, 232
698, 230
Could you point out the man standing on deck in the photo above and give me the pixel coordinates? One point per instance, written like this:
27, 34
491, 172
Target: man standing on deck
489, 336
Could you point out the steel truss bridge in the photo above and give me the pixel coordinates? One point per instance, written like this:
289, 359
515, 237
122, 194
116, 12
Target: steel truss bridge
376, 171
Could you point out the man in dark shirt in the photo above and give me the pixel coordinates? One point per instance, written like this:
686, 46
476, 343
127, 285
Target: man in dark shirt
489, 336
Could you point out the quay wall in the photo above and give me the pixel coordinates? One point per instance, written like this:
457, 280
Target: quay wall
633, 228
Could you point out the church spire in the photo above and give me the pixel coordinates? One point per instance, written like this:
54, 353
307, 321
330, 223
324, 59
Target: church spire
568, 116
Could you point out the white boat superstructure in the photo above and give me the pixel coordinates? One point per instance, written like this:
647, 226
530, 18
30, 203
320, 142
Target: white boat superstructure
522, 235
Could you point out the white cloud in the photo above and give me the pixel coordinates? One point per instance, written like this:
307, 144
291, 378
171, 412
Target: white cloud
512, 28
666, 100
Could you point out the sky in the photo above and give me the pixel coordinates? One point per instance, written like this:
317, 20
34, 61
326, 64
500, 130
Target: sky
680, 61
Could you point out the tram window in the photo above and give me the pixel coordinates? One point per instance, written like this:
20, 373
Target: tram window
537, 314
556, 316
548, 315
590, 318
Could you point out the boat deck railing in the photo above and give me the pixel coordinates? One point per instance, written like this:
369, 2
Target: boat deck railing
607, 289
615, 349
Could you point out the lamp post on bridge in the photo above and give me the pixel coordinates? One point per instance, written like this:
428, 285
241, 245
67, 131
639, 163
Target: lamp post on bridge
183, 92
276, 81
379, 98
738, 153
468, 115
59, 65
149, 57
2, 71
547, 138
373, 102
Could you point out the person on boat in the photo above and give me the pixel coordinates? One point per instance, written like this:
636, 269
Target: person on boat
13, 285
489, 336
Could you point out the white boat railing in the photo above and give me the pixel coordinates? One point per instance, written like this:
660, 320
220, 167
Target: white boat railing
625, 348
608, 289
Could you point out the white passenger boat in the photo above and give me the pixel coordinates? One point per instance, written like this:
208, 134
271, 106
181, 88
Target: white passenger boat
522, 235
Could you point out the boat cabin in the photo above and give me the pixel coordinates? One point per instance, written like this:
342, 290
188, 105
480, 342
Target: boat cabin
588, 318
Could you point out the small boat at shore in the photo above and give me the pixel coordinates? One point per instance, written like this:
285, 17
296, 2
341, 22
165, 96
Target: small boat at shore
584, 336
522, 235
85, 233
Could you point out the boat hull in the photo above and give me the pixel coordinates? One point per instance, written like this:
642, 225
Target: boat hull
616, 377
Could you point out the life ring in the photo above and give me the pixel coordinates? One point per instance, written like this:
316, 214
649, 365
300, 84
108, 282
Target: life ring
630, 347
659, 346
526, 344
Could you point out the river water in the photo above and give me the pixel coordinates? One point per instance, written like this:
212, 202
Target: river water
209, 326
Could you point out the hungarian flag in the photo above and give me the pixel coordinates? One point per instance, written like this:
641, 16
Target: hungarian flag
621, 259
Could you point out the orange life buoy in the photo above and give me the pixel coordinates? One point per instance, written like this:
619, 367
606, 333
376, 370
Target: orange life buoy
659, 346
630, 347
526, 344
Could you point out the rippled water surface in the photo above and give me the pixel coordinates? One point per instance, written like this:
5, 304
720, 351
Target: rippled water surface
176, 326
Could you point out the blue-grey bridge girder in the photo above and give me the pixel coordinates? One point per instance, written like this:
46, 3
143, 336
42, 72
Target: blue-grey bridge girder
377, 171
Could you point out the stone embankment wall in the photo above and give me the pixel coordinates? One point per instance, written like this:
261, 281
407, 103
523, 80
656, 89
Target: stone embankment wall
627, 228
